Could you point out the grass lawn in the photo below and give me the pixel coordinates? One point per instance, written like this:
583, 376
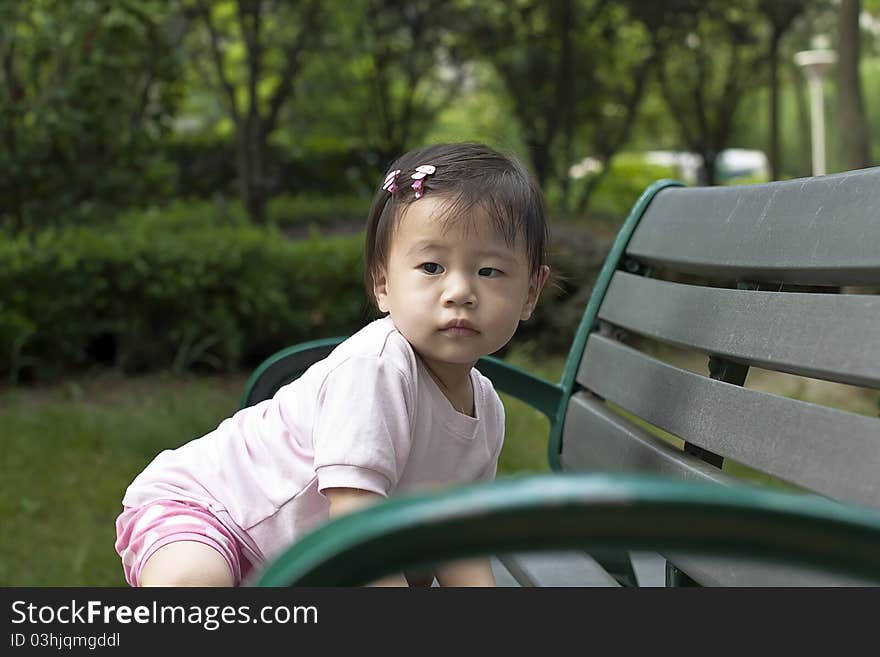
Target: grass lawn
69, 451
68, 454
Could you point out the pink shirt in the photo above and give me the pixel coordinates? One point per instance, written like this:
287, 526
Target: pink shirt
368, 416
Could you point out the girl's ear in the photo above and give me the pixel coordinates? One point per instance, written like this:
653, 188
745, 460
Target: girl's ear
535, 287
380, 288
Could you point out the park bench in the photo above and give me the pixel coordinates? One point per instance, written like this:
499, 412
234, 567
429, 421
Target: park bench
646, 457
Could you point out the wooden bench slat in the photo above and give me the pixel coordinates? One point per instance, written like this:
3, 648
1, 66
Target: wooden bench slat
650, 568
838, 453
598, 439
718, 571
557, 569
827, 336
503, 577
817, 231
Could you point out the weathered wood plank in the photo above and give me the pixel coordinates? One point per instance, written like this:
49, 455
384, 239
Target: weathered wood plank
815, 231
826, 336
822, 449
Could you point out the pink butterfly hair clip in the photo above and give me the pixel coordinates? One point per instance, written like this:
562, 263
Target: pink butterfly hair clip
419, 176
390, 184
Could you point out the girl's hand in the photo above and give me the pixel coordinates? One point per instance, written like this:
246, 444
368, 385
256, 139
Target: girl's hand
473, 572
346, 500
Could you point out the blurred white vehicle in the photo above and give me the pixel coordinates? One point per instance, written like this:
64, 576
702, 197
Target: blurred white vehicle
731, 163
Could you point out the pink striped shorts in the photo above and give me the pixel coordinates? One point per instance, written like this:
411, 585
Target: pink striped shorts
140, 531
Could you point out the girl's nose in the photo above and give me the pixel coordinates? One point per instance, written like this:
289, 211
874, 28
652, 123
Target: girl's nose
459, 292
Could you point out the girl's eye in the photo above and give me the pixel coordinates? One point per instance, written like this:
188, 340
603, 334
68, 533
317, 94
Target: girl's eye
431, 268
490, 272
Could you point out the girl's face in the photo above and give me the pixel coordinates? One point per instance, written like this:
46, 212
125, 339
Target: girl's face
467, 274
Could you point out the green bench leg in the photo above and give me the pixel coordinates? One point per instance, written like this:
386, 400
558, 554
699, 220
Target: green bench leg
677, 578
618, 565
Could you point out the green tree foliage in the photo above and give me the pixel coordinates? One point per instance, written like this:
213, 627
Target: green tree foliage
575, 72
87, 92
366, 79
407, 72
110, 104
780, 16
253, 52
708, 58
386, 76
855, 143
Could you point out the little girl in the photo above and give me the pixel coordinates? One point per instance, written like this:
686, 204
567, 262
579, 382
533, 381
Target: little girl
455, 252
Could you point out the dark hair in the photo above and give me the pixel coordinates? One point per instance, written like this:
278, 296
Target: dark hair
467, 175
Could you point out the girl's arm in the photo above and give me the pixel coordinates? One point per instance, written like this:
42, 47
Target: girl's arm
473, 572
346, 500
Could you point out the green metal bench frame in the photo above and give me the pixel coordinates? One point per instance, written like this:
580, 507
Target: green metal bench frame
578, 511
603, 514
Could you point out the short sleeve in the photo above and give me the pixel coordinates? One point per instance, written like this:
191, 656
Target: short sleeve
362, 432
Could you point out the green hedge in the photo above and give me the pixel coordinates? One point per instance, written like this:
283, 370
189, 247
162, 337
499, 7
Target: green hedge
193, 286
304, 209
156, 294
628, 176
205, 164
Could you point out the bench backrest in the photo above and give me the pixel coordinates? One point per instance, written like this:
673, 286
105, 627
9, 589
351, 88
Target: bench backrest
769, 273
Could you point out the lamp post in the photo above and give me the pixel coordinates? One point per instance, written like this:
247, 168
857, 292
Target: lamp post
816, 64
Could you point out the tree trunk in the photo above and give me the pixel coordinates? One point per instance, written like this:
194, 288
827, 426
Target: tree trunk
15, 93
539, 152
590, 187
253, 127
251, 149
773, 142
710, 169
850, 106
16, 212
803, 114
564, 99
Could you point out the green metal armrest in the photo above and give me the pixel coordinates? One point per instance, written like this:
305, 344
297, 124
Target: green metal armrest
533, 390
582, 511
285, 366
